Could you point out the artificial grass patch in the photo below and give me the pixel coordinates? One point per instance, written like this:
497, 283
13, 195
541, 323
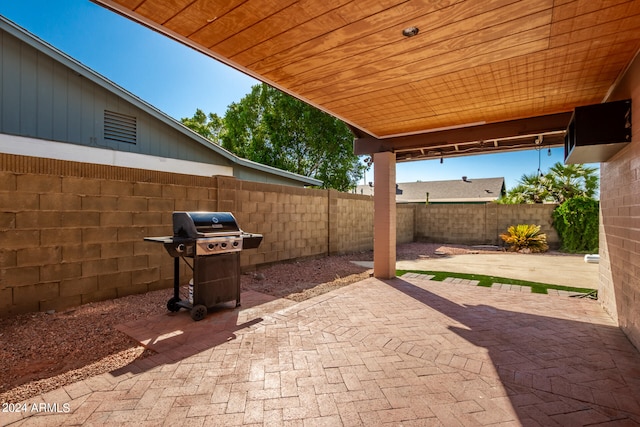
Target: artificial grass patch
487, 281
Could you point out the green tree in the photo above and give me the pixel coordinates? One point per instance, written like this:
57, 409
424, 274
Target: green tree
246, 134
272, 128
210, 126
576, 221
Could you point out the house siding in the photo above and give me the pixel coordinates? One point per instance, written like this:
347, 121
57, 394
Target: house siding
43, 99
46, 97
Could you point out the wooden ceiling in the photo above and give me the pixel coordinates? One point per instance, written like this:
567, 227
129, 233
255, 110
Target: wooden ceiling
472, 63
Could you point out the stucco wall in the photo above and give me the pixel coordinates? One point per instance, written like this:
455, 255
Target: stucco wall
619, 288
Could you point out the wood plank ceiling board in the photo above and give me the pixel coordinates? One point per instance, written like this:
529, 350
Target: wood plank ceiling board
472, 62
443, 47
198, 15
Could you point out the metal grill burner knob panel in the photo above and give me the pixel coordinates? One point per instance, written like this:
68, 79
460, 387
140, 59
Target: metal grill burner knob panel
214, 241
218, 245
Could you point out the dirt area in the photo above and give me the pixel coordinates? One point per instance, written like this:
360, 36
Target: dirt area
41, 352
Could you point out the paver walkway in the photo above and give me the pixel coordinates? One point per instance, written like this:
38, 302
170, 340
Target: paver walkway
408, 351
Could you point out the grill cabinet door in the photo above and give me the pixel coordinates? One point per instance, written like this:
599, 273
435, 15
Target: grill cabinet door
216, 279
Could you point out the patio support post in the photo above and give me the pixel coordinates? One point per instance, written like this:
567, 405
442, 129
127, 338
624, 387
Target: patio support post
384, 216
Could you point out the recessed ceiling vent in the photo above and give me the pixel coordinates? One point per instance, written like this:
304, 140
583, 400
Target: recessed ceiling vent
410, 31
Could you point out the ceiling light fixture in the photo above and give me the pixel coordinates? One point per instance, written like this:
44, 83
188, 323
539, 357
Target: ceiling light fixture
410, 31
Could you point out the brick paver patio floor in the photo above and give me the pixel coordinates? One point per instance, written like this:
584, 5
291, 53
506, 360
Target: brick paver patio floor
408, 351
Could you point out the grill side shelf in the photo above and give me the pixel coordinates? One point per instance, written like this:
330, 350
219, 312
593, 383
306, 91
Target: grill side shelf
175, 246
251, 240
162, 239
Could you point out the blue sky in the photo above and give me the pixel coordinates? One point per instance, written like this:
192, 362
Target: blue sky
177, 80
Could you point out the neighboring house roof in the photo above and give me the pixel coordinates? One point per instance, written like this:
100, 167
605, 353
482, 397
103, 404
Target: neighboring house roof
466, 190
49, 50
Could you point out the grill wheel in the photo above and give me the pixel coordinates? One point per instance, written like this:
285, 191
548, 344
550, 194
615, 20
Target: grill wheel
172, 305
198, 312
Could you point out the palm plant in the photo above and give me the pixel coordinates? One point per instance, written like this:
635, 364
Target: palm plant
569, 181
531, 188
525, 238
560, 183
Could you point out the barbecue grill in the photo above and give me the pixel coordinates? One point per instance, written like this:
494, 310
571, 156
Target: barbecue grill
213, 241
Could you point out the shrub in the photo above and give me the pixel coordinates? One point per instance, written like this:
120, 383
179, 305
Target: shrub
525, 238
576, 221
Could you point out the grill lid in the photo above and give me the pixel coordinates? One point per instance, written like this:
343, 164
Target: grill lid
201, 224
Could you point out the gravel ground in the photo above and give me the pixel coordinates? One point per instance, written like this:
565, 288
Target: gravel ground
41, 352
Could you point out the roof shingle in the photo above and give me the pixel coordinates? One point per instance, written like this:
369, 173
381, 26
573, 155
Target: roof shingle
481, 190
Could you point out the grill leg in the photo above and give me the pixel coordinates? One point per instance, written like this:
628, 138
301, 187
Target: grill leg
176, 278
238, 280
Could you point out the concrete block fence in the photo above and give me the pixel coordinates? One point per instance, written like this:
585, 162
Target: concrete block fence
72, 233
472, 224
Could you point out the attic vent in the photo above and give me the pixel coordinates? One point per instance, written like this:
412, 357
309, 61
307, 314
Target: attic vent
120, 127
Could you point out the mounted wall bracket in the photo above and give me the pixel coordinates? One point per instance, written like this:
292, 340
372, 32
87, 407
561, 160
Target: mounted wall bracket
597, 132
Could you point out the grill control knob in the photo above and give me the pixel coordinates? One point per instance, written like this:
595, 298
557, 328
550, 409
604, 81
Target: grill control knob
224, 245
211, 246
235, 243
180, 247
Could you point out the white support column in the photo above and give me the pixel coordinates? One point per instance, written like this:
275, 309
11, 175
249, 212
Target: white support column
384, 217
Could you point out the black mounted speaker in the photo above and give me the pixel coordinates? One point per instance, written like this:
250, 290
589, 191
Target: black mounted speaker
597, 132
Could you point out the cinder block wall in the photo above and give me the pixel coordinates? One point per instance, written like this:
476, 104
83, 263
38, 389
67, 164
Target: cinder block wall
538, 214
293, 221
452, 224
72, 233
351, 222
480, 224
405, 223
